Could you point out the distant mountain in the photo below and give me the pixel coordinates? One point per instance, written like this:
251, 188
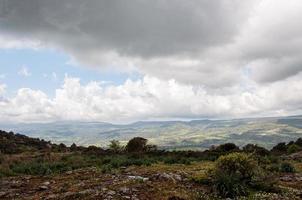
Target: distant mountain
196, 134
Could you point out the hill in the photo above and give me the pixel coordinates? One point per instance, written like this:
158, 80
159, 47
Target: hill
196, 134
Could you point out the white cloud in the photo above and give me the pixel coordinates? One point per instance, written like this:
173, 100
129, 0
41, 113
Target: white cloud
152, 98
24, 72
10, 42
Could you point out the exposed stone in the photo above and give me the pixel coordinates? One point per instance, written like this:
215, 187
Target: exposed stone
138, 178
124, 190
86, 192
111, 192
46, 183
43, 187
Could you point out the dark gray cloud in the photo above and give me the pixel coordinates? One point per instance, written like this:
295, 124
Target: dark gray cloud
133, 28
196, 42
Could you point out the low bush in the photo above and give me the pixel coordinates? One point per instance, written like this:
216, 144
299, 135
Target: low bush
232, 174
287, 167
293, 148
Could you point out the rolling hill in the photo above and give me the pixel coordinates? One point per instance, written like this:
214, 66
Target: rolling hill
196, 134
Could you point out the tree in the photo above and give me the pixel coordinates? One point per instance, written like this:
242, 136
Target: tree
227, 147
115, 146
73, 147
137, 144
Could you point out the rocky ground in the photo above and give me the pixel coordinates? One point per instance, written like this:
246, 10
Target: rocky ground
129, 183
159, 182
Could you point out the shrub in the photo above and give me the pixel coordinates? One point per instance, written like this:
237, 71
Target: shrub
280, 148
293, 148
299, 142
232, 174
115, 146
32, 169
264, 180
252, 148
287, 167
94, 150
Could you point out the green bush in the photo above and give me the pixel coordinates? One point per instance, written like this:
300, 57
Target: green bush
233, 174
287, 167
32, 169
293, 148
229, 186
115, 146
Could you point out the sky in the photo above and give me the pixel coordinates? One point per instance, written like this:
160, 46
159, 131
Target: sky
123, 61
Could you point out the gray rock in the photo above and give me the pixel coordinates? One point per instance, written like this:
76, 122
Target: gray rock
111, 192
124, 190
2, 194
43, 187
46, 183
138, 178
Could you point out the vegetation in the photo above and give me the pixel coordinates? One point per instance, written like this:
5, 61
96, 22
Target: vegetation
224, 171
233, 174
293, 148
115, 146
287, 167
136, 145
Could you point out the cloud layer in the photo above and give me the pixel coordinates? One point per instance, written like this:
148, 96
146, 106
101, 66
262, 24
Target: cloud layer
186, 41
198, 58
150, 98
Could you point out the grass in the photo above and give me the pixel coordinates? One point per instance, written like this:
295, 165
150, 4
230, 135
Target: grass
55, 163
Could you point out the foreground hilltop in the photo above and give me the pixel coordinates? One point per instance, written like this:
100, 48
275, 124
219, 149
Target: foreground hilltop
36, 169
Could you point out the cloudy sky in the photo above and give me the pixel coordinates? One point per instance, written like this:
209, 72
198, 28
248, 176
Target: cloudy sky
122, 61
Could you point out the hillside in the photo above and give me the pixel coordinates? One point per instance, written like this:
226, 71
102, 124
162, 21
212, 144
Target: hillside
196, 134
35, 169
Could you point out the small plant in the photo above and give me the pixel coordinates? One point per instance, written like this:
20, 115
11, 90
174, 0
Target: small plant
233, 174
115, 146
287, 167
